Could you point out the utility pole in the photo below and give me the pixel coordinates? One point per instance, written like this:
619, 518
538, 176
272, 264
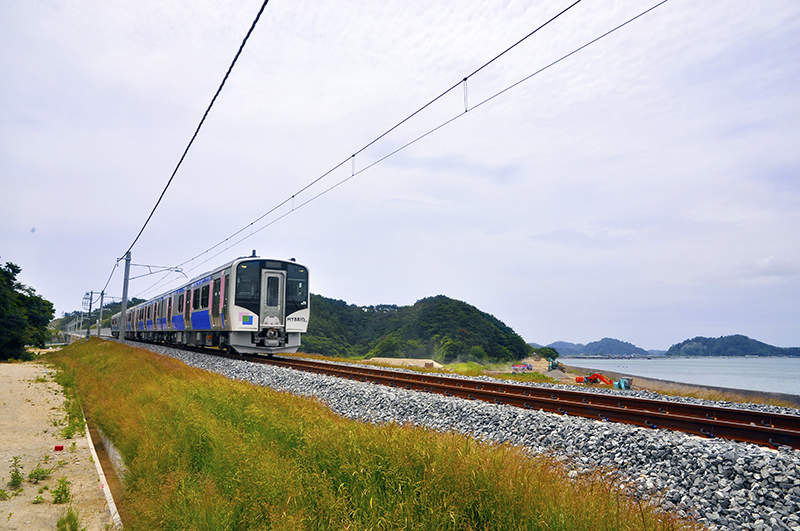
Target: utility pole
88, 315
100, 318
123, 320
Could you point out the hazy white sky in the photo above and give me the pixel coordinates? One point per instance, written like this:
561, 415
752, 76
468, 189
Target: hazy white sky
645, 188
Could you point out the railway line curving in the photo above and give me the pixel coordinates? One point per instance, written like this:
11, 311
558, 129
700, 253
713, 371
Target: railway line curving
764, 428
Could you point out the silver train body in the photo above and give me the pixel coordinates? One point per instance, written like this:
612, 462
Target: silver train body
250, 305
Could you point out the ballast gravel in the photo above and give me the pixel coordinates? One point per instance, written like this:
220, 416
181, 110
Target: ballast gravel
721, 483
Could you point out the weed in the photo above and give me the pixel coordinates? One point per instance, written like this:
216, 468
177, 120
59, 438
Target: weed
46, 459
38, 474
69, 522
72, 405
37, 500
3, 494
16, 475
73, 447
61, 494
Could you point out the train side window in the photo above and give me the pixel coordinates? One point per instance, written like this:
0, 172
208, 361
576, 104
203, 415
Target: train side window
180, 303
187, 309
169, 306
204, 297
195, 299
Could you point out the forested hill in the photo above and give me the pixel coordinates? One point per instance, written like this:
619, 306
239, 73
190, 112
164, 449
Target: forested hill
737, 345
438, 328
605, 347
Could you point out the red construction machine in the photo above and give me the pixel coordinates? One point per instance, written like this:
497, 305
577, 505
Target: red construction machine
593, 379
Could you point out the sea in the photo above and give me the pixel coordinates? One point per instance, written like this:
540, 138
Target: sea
768, 374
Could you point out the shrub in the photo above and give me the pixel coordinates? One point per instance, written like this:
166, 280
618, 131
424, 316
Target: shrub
61, 493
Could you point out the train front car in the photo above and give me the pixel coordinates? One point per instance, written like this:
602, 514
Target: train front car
270, 307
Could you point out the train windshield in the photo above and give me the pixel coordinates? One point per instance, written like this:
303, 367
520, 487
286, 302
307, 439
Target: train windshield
248, 286
296, 288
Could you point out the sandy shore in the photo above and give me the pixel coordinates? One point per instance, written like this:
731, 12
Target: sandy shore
30, 406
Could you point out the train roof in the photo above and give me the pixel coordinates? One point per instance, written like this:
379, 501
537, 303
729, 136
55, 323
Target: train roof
212, 271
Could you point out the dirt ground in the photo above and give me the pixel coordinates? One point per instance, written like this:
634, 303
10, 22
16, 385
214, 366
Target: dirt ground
31, 404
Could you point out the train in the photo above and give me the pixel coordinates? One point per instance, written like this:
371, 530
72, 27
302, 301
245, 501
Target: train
251, 305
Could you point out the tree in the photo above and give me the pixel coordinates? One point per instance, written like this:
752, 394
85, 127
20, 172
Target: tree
23, 315
546, 352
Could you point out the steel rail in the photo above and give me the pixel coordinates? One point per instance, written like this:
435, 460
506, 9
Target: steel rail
767, 429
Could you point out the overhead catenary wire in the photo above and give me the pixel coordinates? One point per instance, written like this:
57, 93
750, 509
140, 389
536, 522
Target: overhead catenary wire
376, 139
202, 120
395, 151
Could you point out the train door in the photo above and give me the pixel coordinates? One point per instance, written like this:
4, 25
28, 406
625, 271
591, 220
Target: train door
216, 320
187, 309
272, 298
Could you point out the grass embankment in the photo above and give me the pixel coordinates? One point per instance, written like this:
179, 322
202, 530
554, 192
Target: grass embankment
204, 452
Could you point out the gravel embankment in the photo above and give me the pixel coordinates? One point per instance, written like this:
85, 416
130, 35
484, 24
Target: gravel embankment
725, 484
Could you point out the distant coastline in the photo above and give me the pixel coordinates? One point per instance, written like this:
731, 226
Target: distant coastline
735, 346
765, 374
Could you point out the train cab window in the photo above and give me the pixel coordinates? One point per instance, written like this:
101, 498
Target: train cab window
204, 297
296, 288
195, 299
248, 286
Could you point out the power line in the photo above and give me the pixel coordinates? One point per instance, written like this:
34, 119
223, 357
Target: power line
382, 135
401, 148
203, 119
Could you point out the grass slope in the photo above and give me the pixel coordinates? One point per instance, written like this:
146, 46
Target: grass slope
208, 453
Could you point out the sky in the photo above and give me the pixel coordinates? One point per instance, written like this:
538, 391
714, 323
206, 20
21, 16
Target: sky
646, 188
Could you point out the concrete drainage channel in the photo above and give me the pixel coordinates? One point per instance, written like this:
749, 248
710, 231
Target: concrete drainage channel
110, 467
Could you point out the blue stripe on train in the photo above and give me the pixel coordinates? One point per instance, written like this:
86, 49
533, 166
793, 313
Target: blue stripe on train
177, 322
201, 320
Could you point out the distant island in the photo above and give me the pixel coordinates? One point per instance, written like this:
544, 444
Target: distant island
732, 346
606, 347
725, 346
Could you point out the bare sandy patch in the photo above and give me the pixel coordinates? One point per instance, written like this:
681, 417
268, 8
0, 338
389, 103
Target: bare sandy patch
31, 404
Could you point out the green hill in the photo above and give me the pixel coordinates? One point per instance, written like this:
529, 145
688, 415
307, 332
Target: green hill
605, 347
736, 345
438, 328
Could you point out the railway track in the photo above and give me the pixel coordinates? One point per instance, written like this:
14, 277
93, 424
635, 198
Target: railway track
767, 429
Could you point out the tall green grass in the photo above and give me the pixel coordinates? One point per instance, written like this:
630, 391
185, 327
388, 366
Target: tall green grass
207, 453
